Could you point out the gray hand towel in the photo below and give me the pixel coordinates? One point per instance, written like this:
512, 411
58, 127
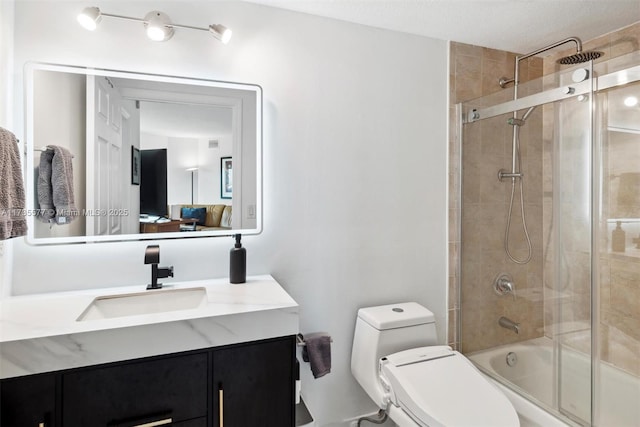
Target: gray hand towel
46, 211
12, 200
62, 182
55, 186
317, 352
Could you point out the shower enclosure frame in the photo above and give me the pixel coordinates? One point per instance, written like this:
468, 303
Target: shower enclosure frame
589, 88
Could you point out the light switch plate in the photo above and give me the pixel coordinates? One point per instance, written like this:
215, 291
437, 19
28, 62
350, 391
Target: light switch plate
251, 211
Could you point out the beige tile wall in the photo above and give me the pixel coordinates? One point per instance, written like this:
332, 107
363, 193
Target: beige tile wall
475, 72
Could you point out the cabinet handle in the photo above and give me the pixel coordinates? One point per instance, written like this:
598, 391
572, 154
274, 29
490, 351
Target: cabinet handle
164, 422
221, 404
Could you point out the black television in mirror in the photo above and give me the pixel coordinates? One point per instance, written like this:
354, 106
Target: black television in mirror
153, 182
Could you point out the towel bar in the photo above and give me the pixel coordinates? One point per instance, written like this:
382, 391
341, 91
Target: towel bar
300, 341
45, 148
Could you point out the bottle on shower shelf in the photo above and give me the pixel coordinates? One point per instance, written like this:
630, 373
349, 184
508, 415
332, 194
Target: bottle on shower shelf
618, 238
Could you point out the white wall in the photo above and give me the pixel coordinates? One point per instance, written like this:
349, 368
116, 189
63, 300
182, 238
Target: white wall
6, 62
130, 192
182, 153
6, 96
209, 170
354, 163
59, 119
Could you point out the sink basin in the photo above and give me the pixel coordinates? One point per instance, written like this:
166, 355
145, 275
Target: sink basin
156, 301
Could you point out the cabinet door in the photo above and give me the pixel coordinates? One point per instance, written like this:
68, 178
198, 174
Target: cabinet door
28, 401
253, 384
134, 393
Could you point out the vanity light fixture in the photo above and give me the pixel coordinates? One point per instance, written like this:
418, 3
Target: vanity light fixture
158, 25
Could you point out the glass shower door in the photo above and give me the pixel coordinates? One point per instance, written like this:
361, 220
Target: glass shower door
578, 300
618, 388
569, 295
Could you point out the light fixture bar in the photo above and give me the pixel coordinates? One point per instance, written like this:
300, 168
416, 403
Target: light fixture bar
189, 27
90, 17
172, 25
126, 18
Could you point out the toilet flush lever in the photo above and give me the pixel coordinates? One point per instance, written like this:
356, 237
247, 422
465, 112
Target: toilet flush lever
503, 284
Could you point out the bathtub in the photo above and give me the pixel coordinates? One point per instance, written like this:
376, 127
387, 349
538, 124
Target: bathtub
533, 373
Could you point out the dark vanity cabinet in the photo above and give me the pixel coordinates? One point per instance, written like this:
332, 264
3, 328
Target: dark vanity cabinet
168, 389
254, 385
28, 401
241, 385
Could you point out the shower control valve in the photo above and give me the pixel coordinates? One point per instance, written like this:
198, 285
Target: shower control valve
503, 284
503, 174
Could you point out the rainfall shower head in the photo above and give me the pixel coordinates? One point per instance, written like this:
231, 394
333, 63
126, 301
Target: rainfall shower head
577, 58
580, 57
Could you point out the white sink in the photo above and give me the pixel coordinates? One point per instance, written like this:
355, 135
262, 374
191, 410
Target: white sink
148, 302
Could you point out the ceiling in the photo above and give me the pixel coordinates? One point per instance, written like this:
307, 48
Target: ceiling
176, 120
519, 26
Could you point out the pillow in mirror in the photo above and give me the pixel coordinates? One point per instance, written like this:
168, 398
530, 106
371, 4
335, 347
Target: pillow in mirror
196, 213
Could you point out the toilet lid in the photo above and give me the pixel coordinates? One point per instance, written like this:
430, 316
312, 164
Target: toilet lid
440, 387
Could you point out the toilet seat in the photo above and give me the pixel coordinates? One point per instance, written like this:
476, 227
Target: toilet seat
439, 387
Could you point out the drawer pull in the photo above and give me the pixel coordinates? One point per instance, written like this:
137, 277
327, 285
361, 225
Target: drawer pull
221, 403
164, 422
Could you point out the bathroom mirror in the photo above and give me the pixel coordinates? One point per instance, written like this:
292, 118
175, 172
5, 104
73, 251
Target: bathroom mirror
150, 156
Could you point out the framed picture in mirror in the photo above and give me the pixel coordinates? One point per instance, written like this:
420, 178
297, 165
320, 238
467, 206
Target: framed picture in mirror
226, 178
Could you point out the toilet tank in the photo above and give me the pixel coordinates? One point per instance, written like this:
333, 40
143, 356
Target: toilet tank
384, 330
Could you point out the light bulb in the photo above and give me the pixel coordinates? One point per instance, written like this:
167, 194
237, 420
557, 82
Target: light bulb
155, 33
631, 101
220, 32
158, 26
89, 18
226, 36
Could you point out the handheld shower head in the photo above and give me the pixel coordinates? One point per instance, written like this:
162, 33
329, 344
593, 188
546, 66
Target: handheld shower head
528, 112
514, 121
580, 57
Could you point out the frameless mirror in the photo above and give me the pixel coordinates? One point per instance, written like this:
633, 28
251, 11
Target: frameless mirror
141, 156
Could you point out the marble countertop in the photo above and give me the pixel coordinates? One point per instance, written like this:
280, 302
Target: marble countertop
41, 333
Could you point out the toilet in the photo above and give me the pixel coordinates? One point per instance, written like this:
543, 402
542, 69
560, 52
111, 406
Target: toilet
395, 359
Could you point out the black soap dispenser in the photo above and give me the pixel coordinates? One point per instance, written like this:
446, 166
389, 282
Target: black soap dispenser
238, 262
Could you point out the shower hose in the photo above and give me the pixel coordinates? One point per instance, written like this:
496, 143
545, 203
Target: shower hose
524, 222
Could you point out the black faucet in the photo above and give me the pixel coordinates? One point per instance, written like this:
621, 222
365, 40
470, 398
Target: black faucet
152, 256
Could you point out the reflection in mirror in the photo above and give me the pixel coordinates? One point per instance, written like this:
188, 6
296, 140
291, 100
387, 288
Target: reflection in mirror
147, 153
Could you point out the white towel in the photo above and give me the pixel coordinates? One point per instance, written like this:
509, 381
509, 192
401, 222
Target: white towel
12, 200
